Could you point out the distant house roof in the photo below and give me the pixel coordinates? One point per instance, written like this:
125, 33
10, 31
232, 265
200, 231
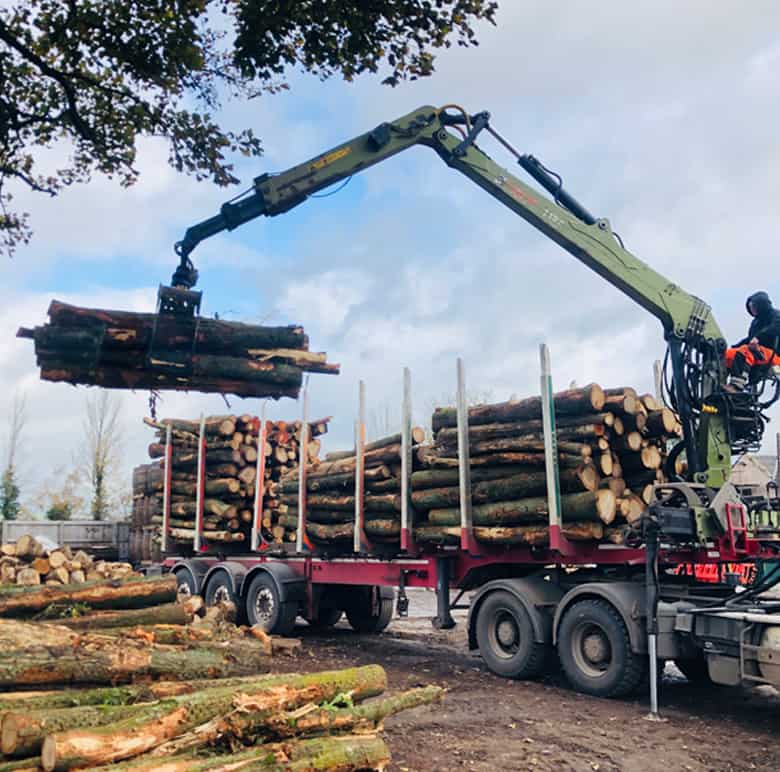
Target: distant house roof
753, 470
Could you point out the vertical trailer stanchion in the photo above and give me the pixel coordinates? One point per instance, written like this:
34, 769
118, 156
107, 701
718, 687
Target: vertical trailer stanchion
557, 542
361, 544
407, 513
259, 542
658, 380
302, 541
467, 541
168, 462
201, 487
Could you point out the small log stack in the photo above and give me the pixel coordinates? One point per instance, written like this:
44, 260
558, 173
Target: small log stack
163, 686
330, 499
27, 562
125, 350
230, 486
611, 446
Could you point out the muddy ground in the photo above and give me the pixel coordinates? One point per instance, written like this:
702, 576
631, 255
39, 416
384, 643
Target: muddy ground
490, 723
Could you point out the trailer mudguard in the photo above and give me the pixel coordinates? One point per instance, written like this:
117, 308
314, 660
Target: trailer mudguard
538, 595
197, 569
291, 586
235, 571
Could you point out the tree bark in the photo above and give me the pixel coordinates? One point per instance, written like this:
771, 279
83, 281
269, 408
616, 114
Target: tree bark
507, 488
125, 329
576, 507
530, 428
589, 399
111, 594
332, 532
346, 753
151, 726
181, 534
417, 437
383, 527
531, 535
165, 614
118, 378
366, 717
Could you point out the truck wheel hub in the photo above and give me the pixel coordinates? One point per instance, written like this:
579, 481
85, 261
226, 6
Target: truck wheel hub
506, 632
595, 648
264, 604
222, 595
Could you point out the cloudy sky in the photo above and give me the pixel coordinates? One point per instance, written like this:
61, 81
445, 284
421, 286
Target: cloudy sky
661, 116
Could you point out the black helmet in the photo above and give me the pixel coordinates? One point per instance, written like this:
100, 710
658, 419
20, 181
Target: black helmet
761, 302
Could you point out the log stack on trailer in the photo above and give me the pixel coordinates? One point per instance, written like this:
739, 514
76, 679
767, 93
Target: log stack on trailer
129, 674
331, 495
231, 464
126, 350
611, 447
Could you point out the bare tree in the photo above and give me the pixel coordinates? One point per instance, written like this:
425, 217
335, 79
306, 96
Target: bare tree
9, 483
101, 447
383, 420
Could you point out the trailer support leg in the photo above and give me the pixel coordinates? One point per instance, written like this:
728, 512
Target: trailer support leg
651, 534
443, 619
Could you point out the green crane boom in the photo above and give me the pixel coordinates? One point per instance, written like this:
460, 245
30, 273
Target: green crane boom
695, 341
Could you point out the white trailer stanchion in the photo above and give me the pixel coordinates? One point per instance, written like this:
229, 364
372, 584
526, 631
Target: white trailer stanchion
302, 542
360, 543
557, 542
407, 513
467, 541
167, 464
201, 487
259, 542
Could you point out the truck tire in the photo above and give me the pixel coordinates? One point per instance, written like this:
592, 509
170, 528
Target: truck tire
326, 618
595, 650
505, 638
185, 584
695, 670
265, 608
220, 590
362, 615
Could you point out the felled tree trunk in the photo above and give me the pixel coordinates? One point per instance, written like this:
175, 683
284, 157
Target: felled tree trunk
165, 614
112, 594
151, 726
596, 507
589, 399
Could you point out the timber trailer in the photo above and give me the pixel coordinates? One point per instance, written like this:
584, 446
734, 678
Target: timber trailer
611, 612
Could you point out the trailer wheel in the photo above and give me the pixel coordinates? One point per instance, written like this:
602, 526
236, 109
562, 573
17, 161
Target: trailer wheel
185, 584
595, 651
265, 608
695, 670
326, 618
220, 590
369, 612
505, 638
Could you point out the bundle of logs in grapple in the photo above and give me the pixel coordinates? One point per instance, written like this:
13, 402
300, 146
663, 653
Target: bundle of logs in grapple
131, 677
125, 350
611, 448
330, 495
230, 481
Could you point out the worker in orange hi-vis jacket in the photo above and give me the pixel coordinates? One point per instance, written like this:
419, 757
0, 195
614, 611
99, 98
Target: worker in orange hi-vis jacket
759, 347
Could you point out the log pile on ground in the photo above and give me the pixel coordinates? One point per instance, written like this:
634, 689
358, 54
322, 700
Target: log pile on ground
611, 448
28, 562
136, 677
231, 471
125, 350
330, 495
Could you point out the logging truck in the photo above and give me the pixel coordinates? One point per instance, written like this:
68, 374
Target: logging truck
611, 612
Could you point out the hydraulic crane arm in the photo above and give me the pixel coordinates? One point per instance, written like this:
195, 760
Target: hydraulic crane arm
564, 221
695, 340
